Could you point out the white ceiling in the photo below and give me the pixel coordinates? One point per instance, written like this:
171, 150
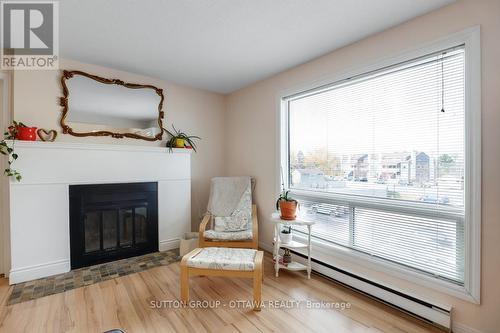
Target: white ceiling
221, 45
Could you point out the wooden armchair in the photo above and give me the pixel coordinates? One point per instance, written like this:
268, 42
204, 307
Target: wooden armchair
252, 243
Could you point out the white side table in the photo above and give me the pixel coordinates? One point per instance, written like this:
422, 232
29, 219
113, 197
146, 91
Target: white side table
293, 266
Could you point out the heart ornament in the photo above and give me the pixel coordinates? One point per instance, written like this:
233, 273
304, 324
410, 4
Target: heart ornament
45, 135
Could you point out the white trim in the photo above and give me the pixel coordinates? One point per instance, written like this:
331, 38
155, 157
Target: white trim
400, 206
169, 244
471, 38
74, 163
472, 249
39, 271
96, 146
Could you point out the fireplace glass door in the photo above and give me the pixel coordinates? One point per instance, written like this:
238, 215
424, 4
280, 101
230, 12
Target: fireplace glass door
112, 221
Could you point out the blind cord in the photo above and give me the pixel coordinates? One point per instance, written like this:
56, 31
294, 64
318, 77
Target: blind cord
442, 82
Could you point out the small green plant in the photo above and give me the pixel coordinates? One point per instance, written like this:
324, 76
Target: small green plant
284, 197
7, 150
287, 229
179, 135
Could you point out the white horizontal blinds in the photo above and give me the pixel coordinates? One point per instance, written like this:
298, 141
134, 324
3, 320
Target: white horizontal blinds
428, 244
385, 135
332, 221
396, 134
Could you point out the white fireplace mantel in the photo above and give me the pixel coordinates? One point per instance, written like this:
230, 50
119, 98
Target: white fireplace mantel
39, 203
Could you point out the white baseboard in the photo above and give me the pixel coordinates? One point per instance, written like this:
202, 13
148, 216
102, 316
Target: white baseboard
461, 328
455, 326
439, 316
18, 275
169, 244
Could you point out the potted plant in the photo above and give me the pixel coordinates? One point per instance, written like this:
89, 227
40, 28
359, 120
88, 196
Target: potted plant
20, 131
287, 257
13, 133
287, 206
180, 139
286, 234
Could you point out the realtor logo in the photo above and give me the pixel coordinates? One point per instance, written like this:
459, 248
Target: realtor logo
29, 37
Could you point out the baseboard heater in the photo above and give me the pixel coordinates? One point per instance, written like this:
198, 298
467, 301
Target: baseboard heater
437, 315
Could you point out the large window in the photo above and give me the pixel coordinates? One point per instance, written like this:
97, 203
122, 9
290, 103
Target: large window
379, 162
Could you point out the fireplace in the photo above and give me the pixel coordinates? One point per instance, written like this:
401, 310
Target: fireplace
112, 221
39, 208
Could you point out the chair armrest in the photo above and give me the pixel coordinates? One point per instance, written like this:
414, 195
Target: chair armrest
255, 227
203, 226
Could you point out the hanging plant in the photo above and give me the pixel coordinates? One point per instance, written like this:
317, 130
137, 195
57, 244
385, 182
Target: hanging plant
7, 150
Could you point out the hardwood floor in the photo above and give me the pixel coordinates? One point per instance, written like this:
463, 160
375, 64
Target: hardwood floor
125, 303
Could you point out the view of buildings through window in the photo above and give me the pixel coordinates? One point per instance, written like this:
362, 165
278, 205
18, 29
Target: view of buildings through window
385, 136
396, 134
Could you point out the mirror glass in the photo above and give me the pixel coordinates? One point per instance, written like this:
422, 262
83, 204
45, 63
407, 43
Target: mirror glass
94, 106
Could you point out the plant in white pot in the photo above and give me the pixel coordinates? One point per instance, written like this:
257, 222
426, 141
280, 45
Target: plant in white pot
286, 234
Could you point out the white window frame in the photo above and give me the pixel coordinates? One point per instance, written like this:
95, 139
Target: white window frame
470, 291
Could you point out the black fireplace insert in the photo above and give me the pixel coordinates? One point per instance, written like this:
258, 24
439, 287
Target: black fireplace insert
112, 221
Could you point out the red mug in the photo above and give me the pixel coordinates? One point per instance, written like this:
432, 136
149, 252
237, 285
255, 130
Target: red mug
25, 133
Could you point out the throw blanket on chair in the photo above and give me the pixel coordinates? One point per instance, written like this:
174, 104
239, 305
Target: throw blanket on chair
231, 203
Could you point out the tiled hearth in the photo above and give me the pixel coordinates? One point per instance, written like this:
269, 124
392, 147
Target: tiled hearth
77, 278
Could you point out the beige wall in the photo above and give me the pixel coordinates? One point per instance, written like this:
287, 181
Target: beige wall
36, 103
252, 127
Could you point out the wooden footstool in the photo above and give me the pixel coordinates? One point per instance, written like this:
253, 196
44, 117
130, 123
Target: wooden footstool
221, 261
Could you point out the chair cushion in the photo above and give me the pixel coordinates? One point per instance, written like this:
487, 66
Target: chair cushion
240, 219
229, 236
224, 259
231, 223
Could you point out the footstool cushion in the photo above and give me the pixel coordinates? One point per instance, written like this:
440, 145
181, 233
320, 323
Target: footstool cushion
226, 262
224, 258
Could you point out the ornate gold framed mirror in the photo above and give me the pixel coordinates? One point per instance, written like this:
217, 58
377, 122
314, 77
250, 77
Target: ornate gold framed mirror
97, 106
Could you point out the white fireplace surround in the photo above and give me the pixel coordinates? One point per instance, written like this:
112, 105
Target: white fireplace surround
39, 204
